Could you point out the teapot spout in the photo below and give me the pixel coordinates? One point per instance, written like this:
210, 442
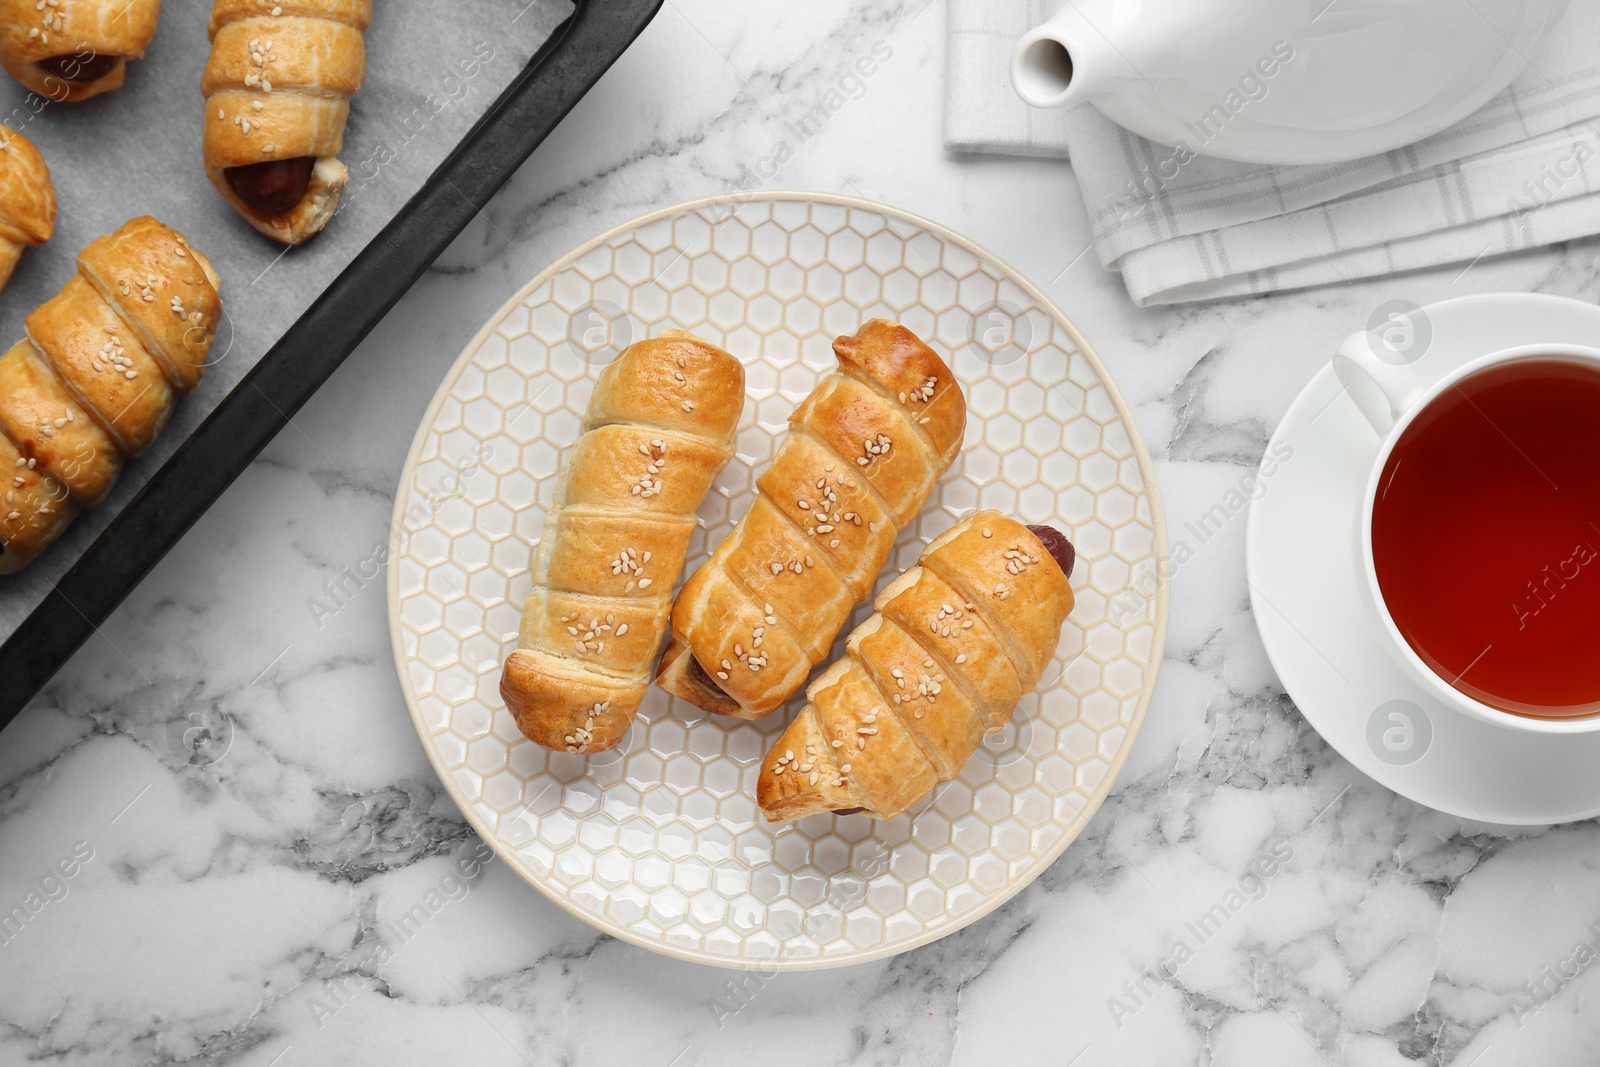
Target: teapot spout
1057, 64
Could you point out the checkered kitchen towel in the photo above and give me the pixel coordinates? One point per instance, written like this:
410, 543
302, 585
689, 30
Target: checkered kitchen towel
1521, 172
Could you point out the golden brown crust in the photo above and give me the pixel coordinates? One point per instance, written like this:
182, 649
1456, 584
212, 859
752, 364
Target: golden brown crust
741, 648
47, 424
604, 467
604, 552
687, 385
36, 508
27, 200
679, 674
807, 485
957, 638
888, 354
616, 637
902, 668
596, 710
974, 623
165, 291
1008, 575
785, 790
85, 30
278, 87
615, 538
97, 376
864, 451
354, 13
769, 561
78, 333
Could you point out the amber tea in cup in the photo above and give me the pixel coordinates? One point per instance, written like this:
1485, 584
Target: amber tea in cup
1486, 536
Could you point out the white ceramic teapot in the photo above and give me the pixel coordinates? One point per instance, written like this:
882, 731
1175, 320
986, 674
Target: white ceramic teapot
1280, 81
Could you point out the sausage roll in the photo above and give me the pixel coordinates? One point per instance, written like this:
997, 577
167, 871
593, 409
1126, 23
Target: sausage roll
955, 642
93, 382
74, 49
660, 425
862, 455
278, 88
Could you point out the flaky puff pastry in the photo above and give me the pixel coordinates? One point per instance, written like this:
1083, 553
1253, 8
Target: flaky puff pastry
863, 452
97, 376
659, 427
955, 642
278, 88
67, 50
27, 200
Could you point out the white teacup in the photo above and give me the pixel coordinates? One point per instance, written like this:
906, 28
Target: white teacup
1390, 396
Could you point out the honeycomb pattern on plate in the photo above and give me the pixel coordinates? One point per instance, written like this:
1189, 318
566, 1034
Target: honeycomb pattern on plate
660, 842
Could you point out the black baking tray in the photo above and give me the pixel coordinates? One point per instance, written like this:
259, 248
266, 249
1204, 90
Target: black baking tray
568, 64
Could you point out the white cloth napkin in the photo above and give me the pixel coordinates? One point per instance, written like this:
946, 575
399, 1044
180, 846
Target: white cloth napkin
1523, 171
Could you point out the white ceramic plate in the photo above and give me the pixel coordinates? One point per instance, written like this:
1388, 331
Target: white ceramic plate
660, 842
1325, 639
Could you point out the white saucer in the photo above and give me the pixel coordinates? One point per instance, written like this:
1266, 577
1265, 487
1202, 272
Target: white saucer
1327, 644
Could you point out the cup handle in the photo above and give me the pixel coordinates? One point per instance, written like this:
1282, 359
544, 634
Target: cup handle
1383, 391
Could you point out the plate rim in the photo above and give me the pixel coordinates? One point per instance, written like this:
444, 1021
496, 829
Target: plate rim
780, 962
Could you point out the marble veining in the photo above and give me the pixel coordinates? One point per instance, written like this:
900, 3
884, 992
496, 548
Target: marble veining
275, 877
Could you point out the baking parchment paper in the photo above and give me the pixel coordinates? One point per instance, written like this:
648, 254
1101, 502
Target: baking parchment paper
433, 68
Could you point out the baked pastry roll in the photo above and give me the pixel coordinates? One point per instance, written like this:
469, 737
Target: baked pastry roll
955, 642
74, 49
660, 425
862, 455
278, 88
27, 200
96, 377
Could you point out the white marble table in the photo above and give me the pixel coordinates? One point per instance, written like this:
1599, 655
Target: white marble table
217, 917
